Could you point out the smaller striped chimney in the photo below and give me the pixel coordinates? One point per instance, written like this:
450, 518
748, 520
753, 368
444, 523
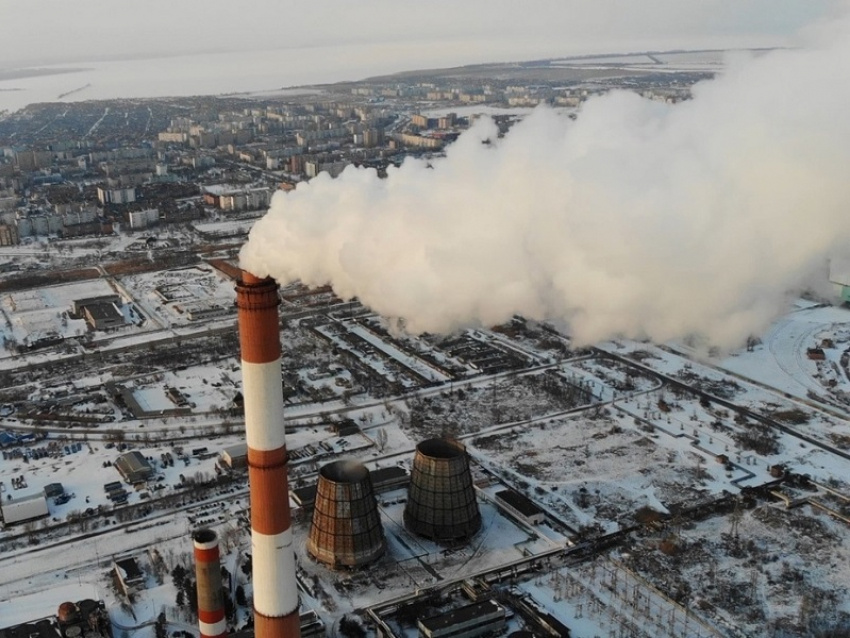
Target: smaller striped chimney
208, 573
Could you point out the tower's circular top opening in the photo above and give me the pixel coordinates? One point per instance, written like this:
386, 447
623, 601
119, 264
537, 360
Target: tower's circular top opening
204, 536
344, 472
67, 612
440, 448
250, 279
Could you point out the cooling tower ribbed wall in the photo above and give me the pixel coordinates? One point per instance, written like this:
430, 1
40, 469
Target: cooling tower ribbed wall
441, 501
346, 529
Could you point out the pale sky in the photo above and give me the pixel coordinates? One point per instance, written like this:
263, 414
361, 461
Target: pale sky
436, 32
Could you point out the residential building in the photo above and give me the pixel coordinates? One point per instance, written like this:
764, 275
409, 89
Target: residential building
116, 195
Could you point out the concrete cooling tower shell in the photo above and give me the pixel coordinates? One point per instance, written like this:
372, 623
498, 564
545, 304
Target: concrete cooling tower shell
346, 529
441, 501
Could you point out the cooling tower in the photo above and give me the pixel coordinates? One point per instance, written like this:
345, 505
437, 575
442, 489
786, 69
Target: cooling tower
208, 573
275, 585
346, 529
441, 501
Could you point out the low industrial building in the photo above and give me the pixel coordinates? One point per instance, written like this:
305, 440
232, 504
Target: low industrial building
134, 467
544, 623
127, 396
235, 456
346, 429
202, 310
100, 313
130, 576
52, 490
77, 305
44, 628
27, 508
389, 478
176, 397
104, 316
521, 508
469, 621
304, 497
311, 625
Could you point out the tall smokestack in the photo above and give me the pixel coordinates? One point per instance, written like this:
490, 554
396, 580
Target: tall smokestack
275, 588
208, 573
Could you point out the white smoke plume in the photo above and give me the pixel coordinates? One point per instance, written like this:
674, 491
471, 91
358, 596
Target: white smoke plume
637, 218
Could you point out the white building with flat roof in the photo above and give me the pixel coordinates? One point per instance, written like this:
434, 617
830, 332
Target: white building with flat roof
26, 508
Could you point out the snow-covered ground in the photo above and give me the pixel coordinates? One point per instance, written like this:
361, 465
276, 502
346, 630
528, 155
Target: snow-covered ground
174, 297
32, 315
780, 361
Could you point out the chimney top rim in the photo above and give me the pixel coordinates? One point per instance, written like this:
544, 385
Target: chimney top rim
250, 279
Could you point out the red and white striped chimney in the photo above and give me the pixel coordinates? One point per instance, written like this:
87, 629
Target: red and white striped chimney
275, 587
208, 573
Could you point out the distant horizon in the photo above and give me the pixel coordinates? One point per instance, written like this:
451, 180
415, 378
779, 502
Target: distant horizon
118, 79
195, 47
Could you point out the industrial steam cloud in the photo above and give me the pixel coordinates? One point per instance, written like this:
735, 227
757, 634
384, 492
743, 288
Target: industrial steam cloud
636, 218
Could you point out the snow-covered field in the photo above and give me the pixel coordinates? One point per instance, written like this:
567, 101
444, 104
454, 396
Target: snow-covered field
33, 315
780, 361
176, 297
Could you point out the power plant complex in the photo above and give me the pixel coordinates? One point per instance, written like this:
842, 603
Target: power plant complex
346, 529
400, 400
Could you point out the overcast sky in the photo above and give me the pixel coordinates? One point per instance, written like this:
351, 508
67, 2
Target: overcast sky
435, 32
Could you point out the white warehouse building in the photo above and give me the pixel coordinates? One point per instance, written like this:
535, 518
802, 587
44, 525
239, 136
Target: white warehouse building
23, 509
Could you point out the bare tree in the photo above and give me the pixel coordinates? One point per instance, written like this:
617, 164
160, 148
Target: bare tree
381, 439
